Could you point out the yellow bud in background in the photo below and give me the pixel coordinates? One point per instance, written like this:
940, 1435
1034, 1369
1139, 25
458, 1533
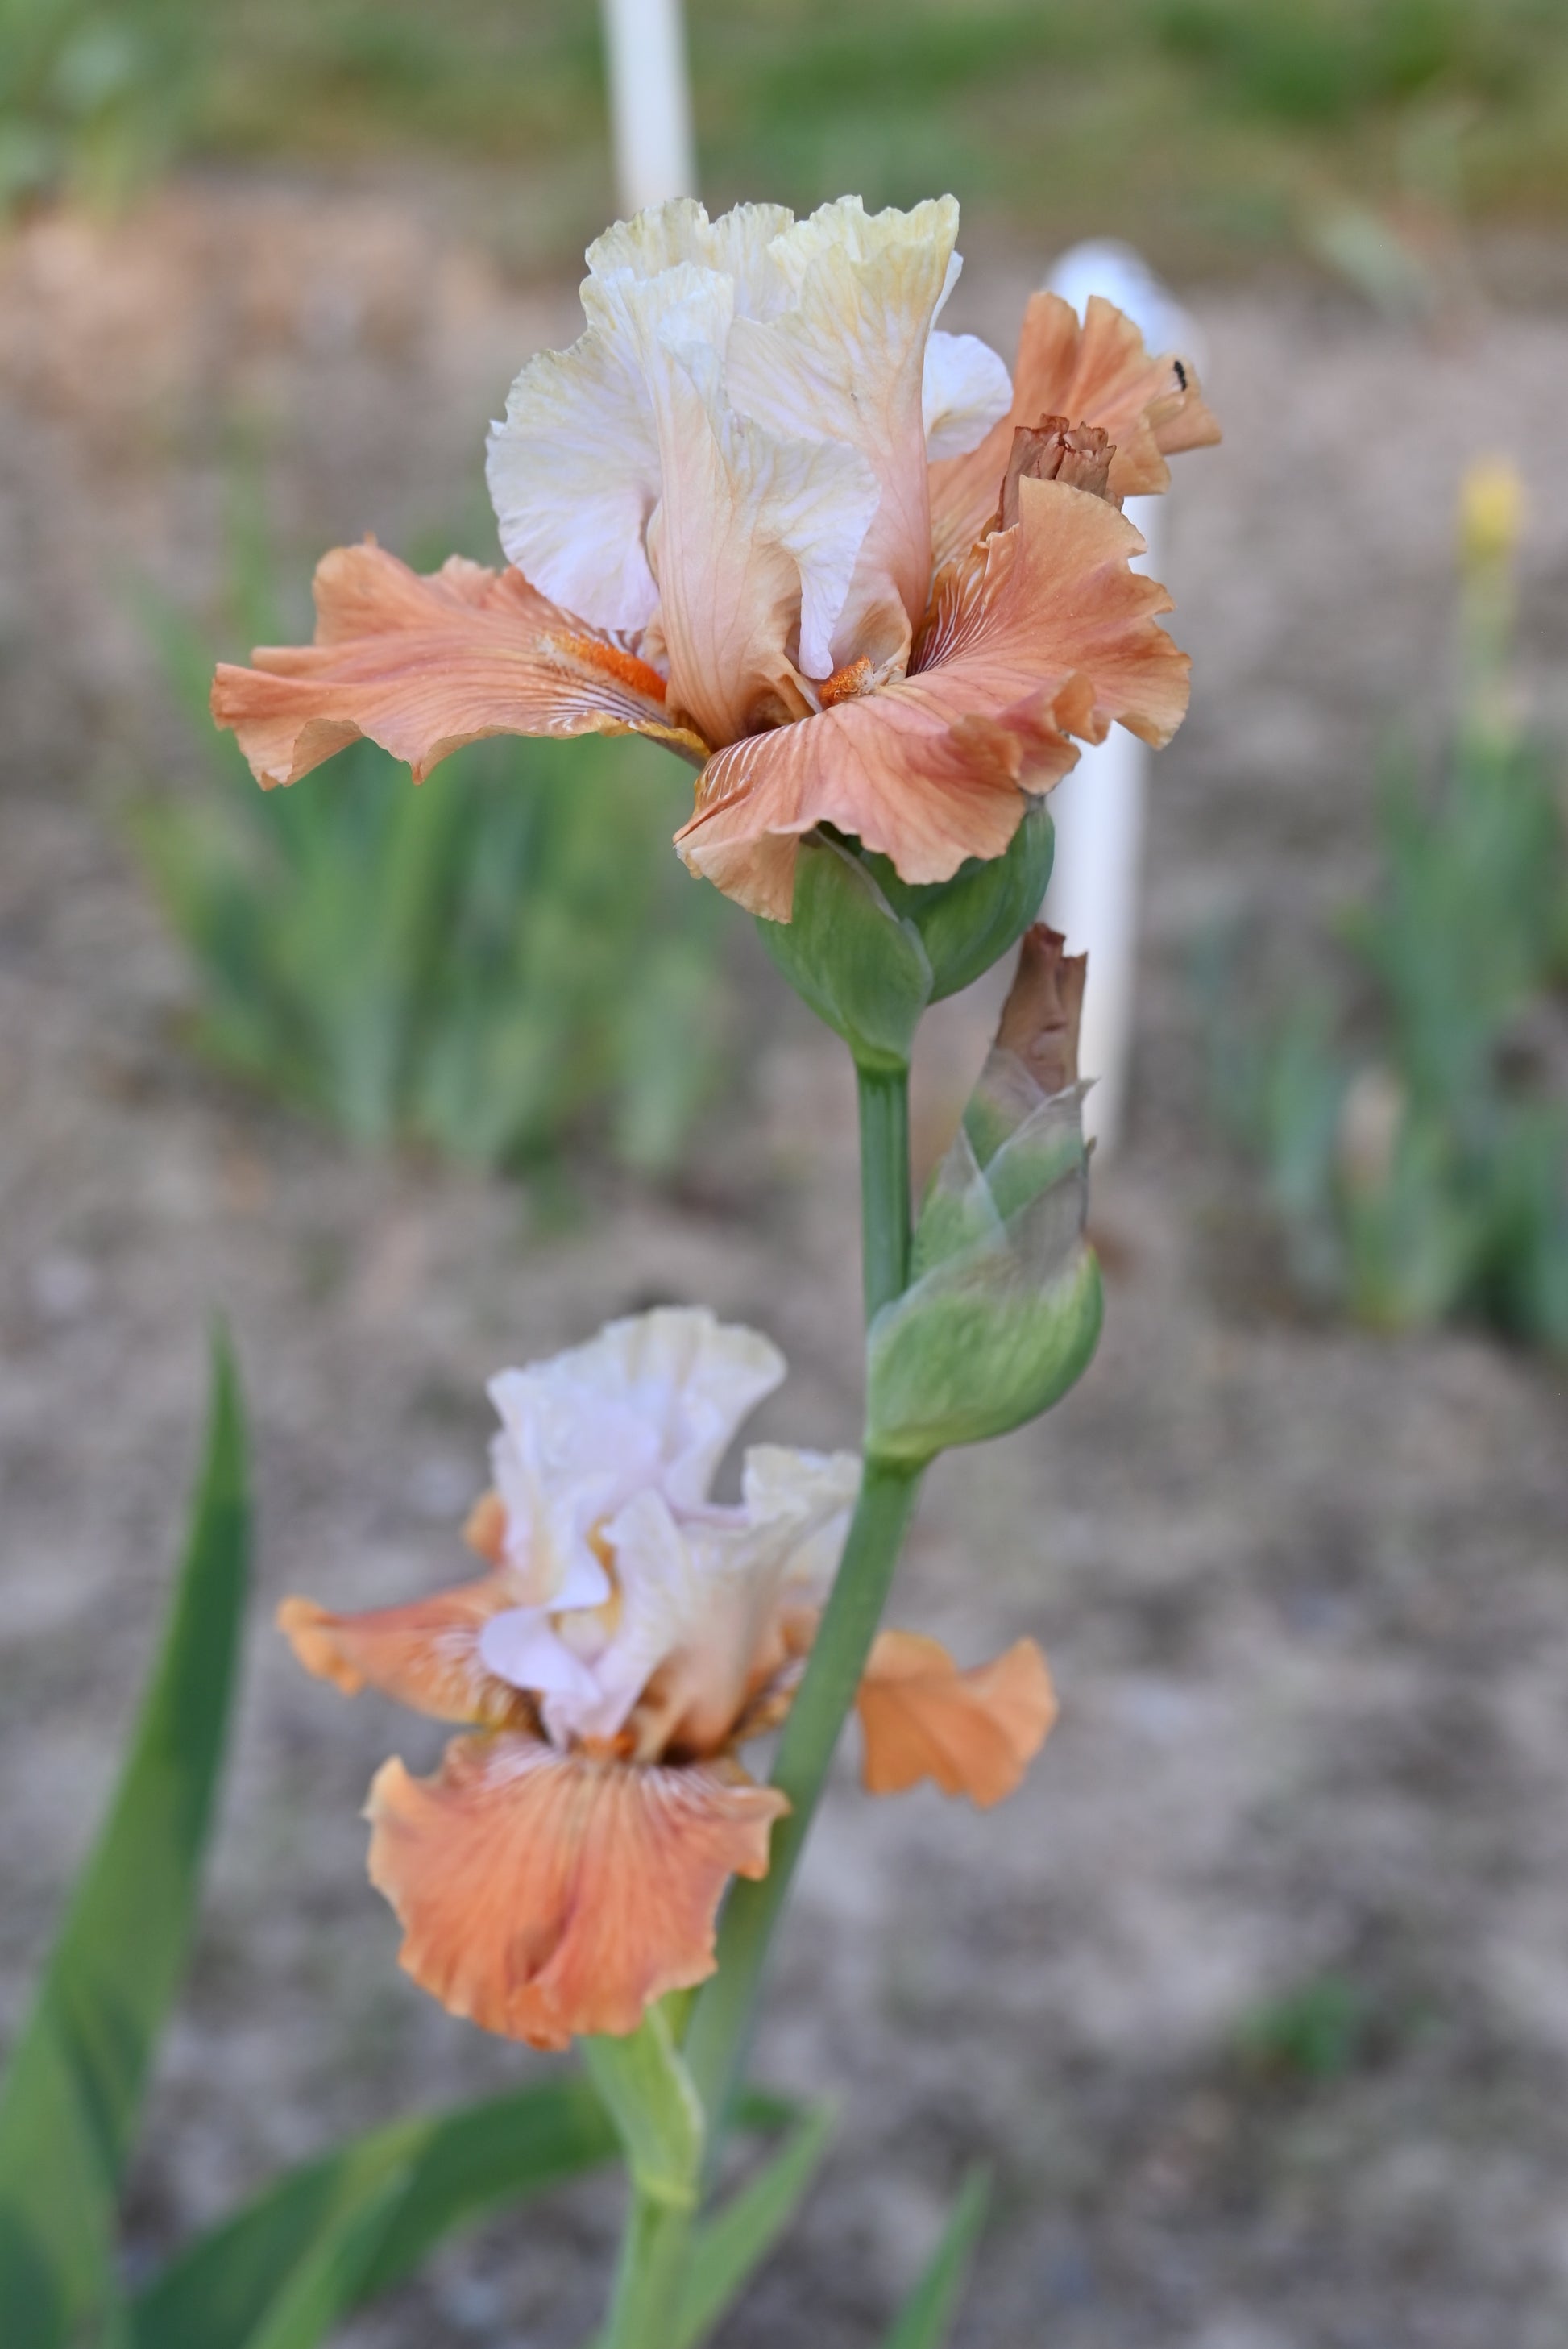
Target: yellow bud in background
1492, 511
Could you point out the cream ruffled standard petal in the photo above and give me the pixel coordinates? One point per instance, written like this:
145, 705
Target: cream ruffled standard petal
1046, 633
964, 392
704, 1612
574, 474
653, 1400
974, 1731
545, 1895
758, 528
422, 665
707, 1608
847, 364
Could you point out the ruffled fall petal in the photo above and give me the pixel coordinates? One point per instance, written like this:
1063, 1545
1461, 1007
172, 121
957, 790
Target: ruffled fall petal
1096, 372
545, 1895
1043, 634
426, 1654
423, 663
974, 1731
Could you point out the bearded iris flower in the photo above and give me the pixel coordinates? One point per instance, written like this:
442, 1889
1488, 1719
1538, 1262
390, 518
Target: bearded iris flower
767, 512
564, 1867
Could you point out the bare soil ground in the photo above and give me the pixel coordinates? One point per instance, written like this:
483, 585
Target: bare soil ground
1306, 1590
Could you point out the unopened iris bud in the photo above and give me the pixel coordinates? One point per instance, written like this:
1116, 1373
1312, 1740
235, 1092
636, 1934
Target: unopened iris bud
868, 951
1004, 1304
969, 923
859, 964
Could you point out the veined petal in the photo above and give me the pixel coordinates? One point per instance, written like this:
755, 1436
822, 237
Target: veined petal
1094, 372
1043, 634
706, 1604
974, 1731
545, 1895
846, 363
519, 1648
654, 1400
965, 390
757, 533
743, 243
573, 475
426, 1654
423, 664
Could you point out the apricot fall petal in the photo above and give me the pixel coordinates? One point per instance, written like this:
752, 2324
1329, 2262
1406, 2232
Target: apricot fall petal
545, 1895
1042, 634
974, 1731
426, 1654
423, 664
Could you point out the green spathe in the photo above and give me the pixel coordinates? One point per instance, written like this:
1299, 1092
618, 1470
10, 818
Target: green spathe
1004, 1306
868, 951
859, 966
969, 923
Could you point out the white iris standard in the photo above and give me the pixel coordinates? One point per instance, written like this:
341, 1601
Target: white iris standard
729, 465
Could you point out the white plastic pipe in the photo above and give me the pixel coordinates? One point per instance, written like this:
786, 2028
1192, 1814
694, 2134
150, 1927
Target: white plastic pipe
650, 102
1098, 808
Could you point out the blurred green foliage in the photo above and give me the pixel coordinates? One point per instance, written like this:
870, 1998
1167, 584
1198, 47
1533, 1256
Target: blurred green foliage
1192, 125
1411, 1120
93, 99
1312, 2034
507, 959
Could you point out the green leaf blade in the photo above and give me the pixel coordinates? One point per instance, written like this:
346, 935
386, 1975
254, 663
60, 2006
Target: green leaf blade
731, 2246
458, 2167
71, 2096
927, 2315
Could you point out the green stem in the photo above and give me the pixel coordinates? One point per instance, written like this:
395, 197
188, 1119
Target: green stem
885, 1184
720, 2032
649, 2276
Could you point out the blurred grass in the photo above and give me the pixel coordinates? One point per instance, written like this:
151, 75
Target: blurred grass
1202, 129
502, 965
1183, 123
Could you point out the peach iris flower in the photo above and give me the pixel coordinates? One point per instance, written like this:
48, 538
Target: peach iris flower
767, 512
564, 1864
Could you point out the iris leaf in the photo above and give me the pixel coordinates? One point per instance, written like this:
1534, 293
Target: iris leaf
71, 2096
449, 2170
924, 2321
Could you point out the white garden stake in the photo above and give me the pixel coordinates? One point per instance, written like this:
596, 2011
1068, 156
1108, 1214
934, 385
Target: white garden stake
1098, 808
650, 102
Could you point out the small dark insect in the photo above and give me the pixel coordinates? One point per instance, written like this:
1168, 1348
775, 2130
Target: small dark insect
1181, 373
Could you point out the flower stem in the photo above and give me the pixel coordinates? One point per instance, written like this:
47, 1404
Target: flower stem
885, 1184
649, 2276
720, 2032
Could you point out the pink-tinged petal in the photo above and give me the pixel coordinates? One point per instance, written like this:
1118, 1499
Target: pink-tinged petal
847, 364
484, 1527
423, 663
543, 1895
756, 532
975, 1733
1043, 634
1094, 372
426, 1654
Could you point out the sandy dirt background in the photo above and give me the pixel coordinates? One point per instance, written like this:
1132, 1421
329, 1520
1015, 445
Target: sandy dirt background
1304, 1590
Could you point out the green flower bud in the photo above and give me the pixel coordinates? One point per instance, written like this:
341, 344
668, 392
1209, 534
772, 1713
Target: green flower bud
861, 965
868, 951
967, 923
1004, 1304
